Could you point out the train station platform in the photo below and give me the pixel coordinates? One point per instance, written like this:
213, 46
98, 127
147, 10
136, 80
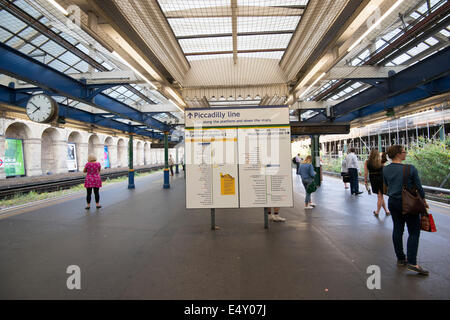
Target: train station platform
144, 244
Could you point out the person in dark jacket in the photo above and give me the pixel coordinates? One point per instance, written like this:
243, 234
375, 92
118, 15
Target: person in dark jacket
307, 173
393, 178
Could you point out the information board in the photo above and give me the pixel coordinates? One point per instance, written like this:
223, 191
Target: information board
14, 164
238, 157
72, 157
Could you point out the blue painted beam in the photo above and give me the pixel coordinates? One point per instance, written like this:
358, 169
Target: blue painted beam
416, 76
435, 87
20, 66
19, 99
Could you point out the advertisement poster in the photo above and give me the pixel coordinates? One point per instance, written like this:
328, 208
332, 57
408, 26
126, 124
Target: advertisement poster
13, 162
106, 163
72, 157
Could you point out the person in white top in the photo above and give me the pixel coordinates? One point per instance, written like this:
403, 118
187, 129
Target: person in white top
344, 172
353, 167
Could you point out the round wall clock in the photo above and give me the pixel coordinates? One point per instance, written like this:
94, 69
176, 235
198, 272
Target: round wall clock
42, 108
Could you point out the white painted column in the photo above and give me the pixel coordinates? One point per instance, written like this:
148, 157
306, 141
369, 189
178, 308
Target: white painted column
60, 154
99, 152
32, 157
82, 155
112, 150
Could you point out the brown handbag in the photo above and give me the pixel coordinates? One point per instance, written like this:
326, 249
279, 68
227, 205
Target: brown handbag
412, 203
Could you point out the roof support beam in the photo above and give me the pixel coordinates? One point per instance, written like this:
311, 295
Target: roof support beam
20, 66
49, 33
230, 52
239, 34
234, 28
10, 96
398, 85
363, 72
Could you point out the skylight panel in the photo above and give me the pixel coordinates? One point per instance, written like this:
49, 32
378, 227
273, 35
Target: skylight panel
172, 5
392, 34
423, 8
445, 32
431, 41
200, 26
210, 56
58, 65
26, 49
69, 58
261, 24
82, 66
414, 15
10, 22
272, 3
207, 44
418, 49
263, 41
39, 40
401, 59
29, 9
27, 33
4, 35
263, 55
53, 48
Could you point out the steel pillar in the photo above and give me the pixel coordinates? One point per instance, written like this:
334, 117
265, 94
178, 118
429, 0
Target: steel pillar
166, 160
130, 163
315, 154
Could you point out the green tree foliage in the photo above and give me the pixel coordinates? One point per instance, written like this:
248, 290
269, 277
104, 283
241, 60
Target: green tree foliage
432, 160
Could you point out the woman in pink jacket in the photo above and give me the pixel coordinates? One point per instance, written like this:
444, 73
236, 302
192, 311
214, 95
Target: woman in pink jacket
92, 181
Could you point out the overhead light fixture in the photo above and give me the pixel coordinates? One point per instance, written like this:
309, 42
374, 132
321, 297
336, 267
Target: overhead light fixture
312, 84
174, 95
132, 68
58, 6
176, 105
391, 9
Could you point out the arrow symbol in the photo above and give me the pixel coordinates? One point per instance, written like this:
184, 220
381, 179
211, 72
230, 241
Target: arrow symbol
190, 115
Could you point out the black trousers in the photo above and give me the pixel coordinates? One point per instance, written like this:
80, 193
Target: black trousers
354, 185
89, 193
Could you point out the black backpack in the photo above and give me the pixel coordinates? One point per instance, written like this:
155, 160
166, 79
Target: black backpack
293, 160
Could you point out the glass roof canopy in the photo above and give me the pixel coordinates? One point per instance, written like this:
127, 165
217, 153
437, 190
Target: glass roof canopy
26, 39
425, 48
204, 28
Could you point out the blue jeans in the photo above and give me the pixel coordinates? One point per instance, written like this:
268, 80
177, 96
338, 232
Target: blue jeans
308, 195
413, 223
354, 185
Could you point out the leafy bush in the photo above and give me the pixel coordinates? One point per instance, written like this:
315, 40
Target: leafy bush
432, 160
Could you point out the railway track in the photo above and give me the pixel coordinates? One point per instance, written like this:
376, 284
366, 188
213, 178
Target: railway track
61, 184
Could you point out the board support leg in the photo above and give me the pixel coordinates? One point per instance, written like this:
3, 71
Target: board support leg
213, 219
266, 218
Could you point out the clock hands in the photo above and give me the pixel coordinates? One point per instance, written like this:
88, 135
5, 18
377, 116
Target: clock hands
37, 108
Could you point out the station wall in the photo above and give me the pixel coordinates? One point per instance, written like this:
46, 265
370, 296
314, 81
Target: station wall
45, 148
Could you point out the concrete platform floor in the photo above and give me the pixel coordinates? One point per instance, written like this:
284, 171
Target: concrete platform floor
144, 244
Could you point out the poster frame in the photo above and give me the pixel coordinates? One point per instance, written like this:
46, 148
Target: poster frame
23, 156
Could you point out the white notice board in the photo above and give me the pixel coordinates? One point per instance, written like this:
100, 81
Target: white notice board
244, 165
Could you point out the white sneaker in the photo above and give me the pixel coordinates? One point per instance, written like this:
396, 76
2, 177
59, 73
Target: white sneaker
277, 218
308, 207
270, 217
312, 204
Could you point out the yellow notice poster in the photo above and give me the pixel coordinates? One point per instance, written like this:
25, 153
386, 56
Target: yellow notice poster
227, 185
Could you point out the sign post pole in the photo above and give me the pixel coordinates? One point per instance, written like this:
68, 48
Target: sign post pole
266, 218
213, 219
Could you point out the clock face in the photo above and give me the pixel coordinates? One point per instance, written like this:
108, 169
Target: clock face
41, 108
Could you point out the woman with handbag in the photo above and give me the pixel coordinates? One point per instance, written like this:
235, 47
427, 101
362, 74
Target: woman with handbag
307, 173
399, 179
344, 173
373, 169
